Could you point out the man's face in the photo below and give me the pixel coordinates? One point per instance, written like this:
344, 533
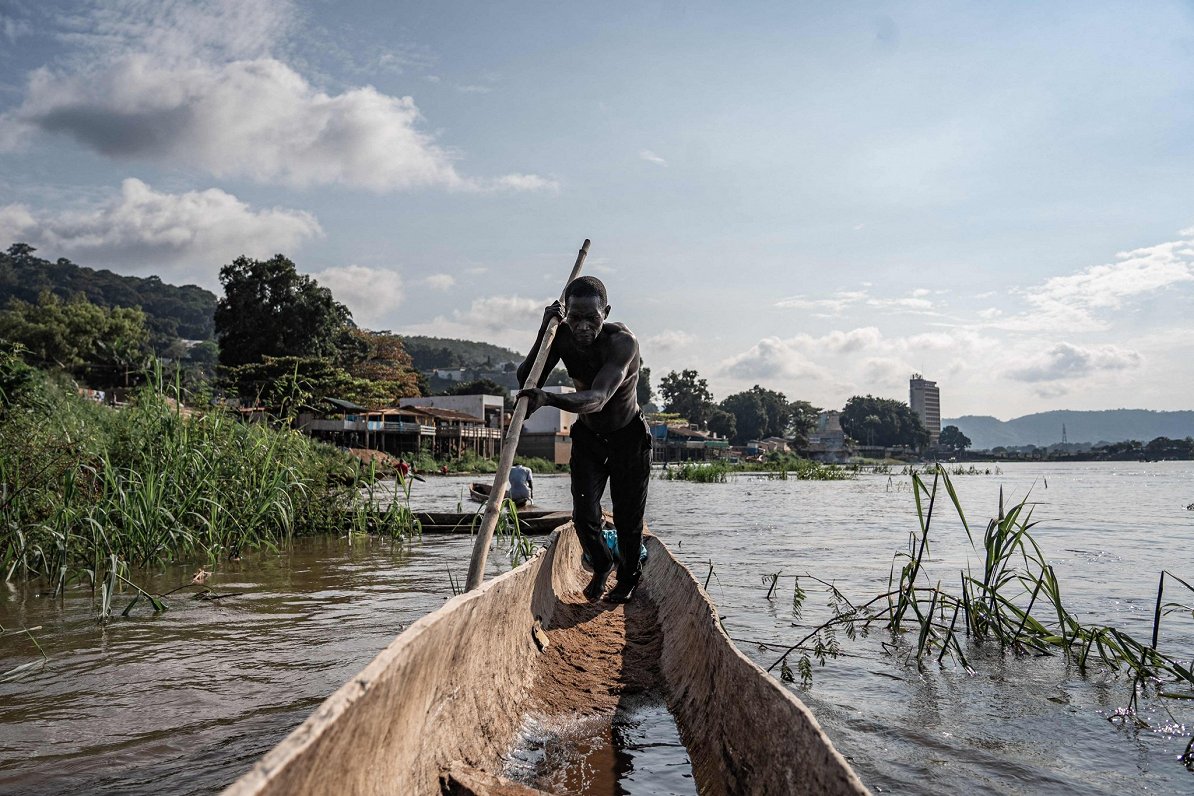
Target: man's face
585, 316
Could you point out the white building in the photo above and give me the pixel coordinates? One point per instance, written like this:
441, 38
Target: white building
490, 408
925, 400
549, 419
545, 434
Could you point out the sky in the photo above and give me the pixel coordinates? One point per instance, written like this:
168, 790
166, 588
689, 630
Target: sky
819, 198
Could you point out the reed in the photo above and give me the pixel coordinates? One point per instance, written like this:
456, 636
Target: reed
697, 472
88, 492
1014, 600
508, 532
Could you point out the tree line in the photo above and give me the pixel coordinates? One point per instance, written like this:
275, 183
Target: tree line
275, 337
759, 413
281, 339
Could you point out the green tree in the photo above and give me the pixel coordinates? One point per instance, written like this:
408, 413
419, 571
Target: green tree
385, 361
761, 413
883, 421
559, 378
953, 439
482, 387
723, 423
644, 384
803, 419
170, 312
284, 384
687, 395
101, 344
750, 416
271, 310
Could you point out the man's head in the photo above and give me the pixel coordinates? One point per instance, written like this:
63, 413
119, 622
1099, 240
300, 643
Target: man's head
586, 308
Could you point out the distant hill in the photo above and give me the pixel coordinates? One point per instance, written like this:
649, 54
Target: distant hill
1044, 428
443, 352
171, 312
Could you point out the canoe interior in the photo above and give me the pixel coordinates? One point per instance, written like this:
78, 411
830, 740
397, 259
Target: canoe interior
455, 688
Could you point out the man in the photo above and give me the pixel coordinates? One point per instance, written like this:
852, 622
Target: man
610, 440
522, 487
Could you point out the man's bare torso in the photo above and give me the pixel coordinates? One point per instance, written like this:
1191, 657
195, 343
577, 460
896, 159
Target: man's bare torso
583, 365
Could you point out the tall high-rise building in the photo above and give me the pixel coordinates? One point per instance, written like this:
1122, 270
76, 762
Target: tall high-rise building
925, 400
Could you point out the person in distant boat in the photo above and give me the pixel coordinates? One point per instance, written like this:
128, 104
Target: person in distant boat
611, 440
522, 487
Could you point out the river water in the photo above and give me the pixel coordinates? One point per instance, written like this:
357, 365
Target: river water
183, 702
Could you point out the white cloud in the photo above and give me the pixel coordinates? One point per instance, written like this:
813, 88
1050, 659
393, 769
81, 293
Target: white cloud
842, 301
668, 340
439, 281
1085, 300
835, 305
177, 31
841, 363
12, 29
511, 321
1136, 273
197, 85
1067, 361
371, 294
512, 182
258, 119
143, 228
772, 358
651, 157
499, 313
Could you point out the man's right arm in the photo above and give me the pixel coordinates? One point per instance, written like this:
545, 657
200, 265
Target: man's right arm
555, 310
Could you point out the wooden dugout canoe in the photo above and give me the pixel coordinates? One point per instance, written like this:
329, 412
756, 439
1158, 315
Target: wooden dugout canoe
532, 522
441, 707
479, 493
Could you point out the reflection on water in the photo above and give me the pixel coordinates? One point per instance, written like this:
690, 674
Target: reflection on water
185, 701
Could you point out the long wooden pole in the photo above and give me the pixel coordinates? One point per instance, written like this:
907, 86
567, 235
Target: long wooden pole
476, 567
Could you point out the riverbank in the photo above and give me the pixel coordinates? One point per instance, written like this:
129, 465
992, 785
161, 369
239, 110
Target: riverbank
93, 492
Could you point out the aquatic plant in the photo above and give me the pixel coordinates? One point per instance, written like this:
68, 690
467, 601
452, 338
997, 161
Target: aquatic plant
699, 472
950, 469
779, 467
1014, 601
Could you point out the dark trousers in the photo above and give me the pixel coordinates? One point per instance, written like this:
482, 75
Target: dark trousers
623, 458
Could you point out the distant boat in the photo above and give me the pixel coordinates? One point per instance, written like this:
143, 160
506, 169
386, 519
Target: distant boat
440, 708
480, 493
532, 522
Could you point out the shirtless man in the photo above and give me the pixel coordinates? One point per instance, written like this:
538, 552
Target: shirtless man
611, 440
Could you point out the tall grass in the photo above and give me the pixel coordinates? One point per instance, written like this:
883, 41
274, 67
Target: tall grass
1013, 600
88, 491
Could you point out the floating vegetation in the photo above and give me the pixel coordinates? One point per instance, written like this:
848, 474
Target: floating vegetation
949, 469
1013, 601
780, 468
698, 472
806, 470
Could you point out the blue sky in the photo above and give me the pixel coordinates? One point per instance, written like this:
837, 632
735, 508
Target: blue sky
820, 198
